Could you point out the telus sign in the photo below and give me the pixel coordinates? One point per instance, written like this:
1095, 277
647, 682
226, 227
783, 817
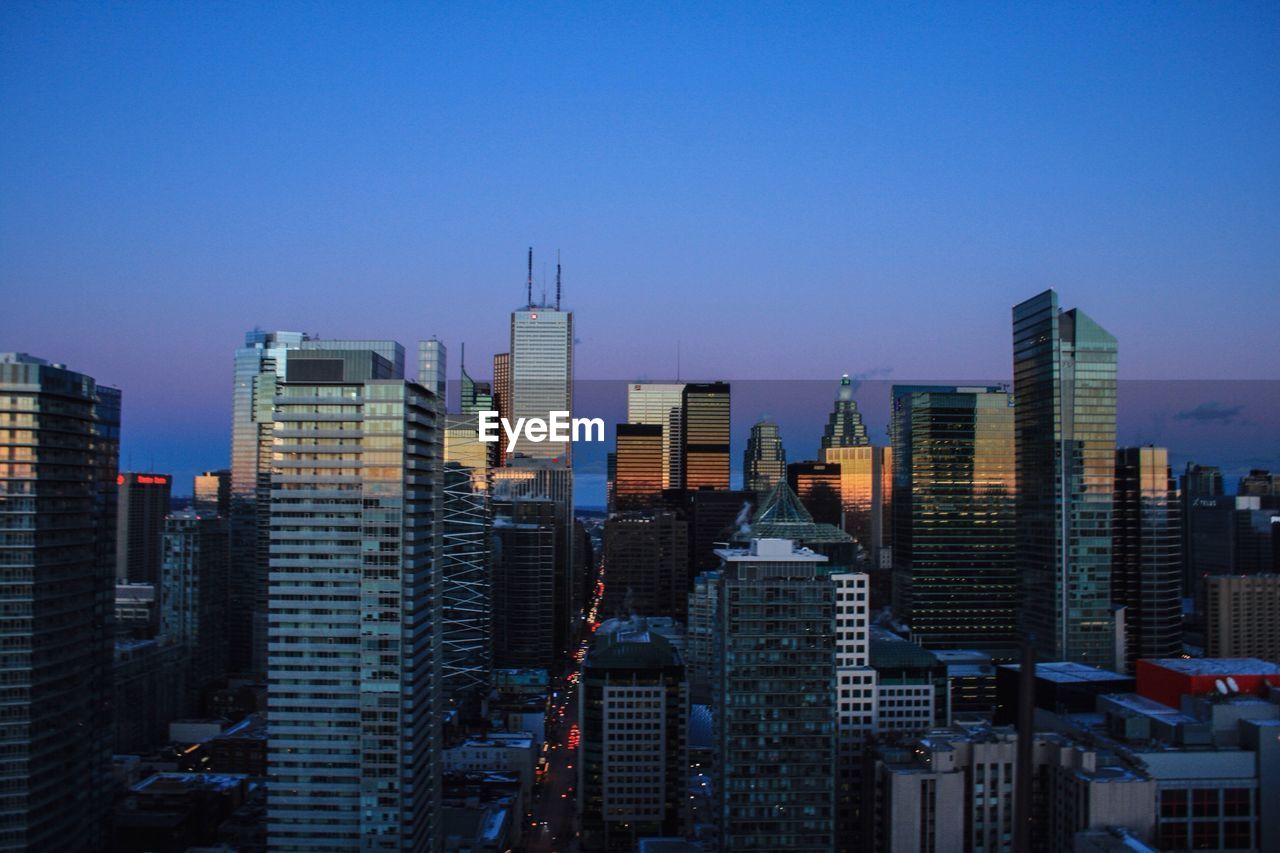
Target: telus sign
558, 427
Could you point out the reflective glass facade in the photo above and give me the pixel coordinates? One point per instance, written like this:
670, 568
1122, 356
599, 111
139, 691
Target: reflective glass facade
1146, 573
659, 403
954, 572
704, 445
764, 462
541, 373
637, 471
59, 439
1064, 382
866, 496
467, 549
845, 427
355, 593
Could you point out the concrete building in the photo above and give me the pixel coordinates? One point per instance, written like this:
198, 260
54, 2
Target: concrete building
1241, 616
355, 591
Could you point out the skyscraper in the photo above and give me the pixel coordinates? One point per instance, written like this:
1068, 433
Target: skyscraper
193, 596
355, 592
844, 425
467, 559
526, 533
59, 439
211, 492
954, 575
432, 368
541, 368
633, 767
1064, 381
502, 385
659, 403
647, 557
260, 366
1146, 568
773, 691
817, 485
143, 505
866, 496
764, 462
704, 436
637, 472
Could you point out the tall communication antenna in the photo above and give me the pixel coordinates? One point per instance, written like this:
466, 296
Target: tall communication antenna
557, 279
528, 288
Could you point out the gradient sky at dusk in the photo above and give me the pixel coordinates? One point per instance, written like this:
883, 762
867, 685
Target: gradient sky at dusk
790, 190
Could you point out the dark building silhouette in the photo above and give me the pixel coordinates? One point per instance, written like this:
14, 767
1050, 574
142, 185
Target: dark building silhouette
646, 558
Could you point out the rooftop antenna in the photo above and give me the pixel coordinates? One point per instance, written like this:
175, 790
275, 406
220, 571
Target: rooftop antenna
528, 288
462, 358
544, 285
677, 359
557, 279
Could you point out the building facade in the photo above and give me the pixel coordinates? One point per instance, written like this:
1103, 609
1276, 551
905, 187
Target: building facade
764, 462
1064, 381
704, 436
143, 505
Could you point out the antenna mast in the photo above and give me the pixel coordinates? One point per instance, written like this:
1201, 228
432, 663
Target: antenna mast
557, 279
528, 288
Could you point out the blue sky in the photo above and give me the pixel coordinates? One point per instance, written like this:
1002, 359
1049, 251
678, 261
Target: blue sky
788, 190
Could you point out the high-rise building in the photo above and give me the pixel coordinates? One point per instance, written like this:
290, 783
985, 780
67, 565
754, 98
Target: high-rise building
194, 596
211, 493
1240, 616
659, 403
473, 396
866, 497
541, 368
1064, 381
59, 440
774, 699
466, 631
355, 595
764, 462
502, 385
637, 476
433, 367
1261, 483
817, 485
1146, 566
954, 575
633, 769
1198, 481
646, 557
260, 366
704, 436
844, 425
143, 505
526, 533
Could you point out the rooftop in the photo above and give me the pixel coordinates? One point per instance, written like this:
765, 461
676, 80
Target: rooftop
1068, 672
1217, 666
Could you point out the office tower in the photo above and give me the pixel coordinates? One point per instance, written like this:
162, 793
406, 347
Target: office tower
59, 439
1198, 481
211, 493
775, 649
467, 553
704, 436
954, 565
844, 425
646, 556
260, 365
866, 497
764, 462
502, 385
432, 368
193, 597
659, 403
541, 368
473, 396
714, 516
817, 485
355, 593
1064, 381
143, 505
1259, 482
1146, 567
1240, 616
1202, 480
633, 769
636, 481
526, 531
547, 479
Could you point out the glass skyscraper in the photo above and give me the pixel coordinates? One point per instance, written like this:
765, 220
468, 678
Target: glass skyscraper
355, 593
1064, 382
467, 554
704, 439
59, 442
541, 373
954, 575
637, 471
660, 403
1146, 574
764, 462
844, 426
